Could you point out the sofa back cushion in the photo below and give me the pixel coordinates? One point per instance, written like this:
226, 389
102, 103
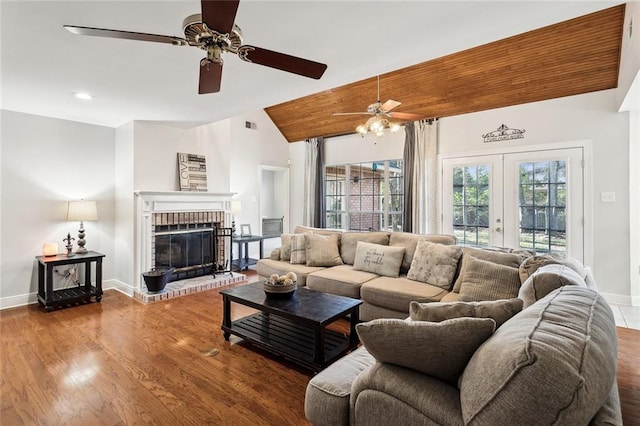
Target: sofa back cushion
409, 241
349, 243
545, 280
321, 231
378, 259
553, 363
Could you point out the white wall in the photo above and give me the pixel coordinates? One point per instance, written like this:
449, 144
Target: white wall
124, 205
584, 117
251, 148
45, 163
630, 52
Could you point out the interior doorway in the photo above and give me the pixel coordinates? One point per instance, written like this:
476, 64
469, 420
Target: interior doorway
274, 201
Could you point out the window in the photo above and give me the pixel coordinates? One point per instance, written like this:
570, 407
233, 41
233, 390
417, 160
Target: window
365, 196
471, 204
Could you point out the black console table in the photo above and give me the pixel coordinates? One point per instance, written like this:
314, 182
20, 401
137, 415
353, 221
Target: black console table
243, 261
67, 296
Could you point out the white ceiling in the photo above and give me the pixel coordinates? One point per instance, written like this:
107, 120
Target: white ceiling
42, 64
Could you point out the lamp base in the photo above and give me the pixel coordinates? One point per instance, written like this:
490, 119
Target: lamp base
81, 250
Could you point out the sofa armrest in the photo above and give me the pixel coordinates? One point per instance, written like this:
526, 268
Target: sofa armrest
385, 393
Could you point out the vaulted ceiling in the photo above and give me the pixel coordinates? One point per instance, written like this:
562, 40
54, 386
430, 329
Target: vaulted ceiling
577, 56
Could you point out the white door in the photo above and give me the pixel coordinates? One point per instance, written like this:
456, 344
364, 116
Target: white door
530, 200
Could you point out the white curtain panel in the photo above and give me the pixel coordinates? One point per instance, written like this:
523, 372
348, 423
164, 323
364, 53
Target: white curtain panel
310, 165
425, 177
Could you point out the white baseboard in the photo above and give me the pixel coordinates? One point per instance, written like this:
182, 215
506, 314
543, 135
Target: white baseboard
20, 300
619, 299
31, 298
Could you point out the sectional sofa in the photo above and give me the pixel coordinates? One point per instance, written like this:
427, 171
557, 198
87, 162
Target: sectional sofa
379, 268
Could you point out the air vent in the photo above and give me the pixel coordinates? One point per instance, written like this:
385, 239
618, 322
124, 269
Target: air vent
250, 125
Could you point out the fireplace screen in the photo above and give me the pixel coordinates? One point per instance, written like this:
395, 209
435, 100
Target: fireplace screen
193, 252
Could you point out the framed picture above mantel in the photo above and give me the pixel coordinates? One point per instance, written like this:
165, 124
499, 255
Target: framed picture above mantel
192, 172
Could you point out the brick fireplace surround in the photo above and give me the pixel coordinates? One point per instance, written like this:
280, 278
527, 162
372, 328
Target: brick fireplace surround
181, 209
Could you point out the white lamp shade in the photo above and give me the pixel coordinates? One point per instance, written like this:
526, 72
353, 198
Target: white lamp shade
82, 210
236, 207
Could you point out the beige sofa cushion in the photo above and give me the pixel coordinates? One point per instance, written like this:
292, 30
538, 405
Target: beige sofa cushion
267, 267
322, 250
439, 349
342, 280
397, 293
545, 280
320, 231
485, 280
498, 310
434, 263
349, 243
562, 348
378, 259
409, 241
533, 263
508, 259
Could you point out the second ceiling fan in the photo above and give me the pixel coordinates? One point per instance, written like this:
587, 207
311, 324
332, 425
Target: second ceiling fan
215, 32
379, 111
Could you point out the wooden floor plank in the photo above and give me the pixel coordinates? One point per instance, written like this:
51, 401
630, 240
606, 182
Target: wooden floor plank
122, 362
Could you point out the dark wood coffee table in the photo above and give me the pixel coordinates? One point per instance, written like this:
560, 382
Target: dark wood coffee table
294, 328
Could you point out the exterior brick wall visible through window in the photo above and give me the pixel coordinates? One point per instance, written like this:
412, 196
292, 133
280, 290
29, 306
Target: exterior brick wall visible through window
365, 196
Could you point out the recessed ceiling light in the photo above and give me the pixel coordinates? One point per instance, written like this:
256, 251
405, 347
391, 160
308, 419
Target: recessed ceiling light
83, 95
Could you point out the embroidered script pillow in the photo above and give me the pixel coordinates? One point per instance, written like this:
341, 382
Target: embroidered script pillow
379, 259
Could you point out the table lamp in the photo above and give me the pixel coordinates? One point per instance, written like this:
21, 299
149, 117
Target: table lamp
236, 209
81, 211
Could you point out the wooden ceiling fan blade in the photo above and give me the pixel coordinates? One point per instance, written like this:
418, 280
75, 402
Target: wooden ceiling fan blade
405, 116
219, 15
281, 61
127, 35
389, 105
210, 77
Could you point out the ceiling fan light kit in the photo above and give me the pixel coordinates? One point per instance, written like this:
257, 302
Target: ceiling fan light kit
214, 31
379, 123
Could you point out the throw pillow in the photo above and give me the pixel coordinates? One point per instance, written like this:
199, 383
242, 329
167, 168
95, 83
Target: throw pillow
498, 310
434, 264
545, 280
379, 259
322, 250
485, 280
285, 247
508, 259
439, 349
298, 250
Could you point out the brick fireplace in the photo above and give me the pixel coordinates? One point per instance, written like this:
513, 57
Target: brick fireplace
186, 230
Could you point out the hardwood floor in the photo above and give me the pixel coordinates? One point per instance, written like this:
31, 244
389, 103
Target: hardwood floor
122, 362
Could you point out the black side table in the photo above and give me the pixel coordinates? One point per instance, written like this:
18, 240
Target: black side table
67, 296
244, 261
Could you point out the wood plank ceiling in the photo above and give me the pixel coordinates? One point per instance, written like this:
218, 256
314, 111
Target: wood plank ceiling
577, 56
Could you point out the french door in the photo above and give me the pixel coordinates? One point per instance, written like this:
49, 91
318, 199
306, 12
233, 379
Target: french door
530, 200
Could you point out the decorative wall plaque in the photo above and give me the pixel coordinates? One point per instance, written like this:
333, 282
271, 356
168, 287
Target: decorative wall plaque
192, 172
503, 133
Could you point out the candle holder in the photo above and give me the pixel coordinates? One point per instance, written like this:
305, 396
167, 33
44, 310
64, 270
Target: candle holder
69, 245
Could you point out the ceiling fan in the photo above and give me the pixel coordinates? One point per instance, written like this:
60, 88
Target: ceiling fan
215, 32
379, 111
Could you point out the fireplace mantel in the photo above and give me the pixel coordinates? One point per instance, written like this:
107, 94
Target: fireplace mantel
150, 202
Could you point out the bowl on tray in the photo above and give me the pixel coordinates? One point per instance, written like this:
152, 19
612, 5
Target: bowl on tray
280, 287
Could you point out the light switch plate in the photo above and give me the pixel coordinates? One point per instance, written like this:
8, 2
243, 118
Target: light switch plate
608, 197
